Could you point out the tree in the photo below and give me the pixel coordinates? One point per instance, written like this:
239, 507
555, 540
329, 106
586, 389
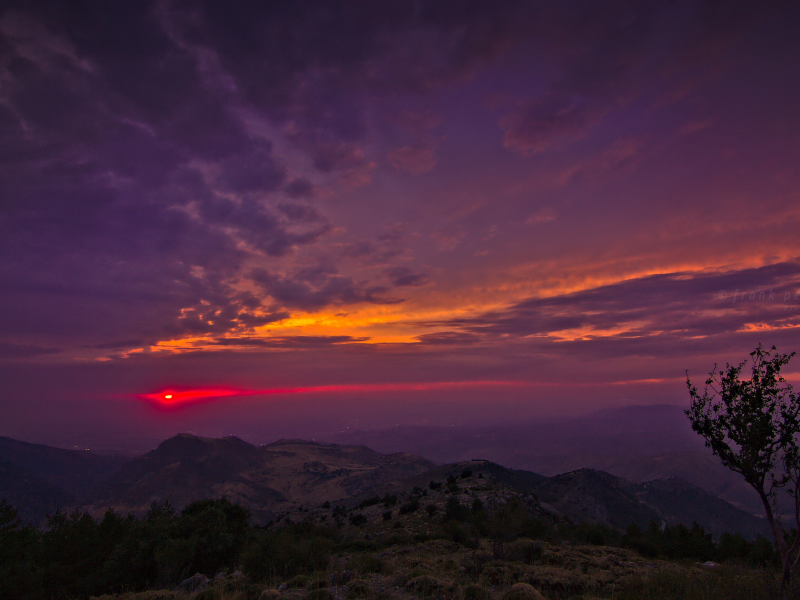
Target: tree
752, 425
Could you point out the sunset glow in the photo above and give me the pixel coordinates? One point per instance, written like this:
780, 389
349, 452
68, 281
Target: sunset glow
186, 396
289, 219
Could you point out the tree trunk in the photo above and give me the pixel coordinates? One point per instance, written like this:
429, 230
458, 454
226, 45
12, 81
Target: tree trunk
780, 542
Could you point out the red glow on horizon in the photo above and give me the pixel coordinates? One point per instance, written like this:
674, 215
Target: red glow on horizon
170, 397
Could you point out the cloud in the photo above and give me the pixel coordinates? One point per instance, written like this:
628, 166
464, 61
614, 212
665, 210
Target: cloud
448, 237
295, 341
651, 315
405, 276
539, 123
16, 351
387, 245
315, 288
448, 338
415, 160
137, 197
300, 188
543, 215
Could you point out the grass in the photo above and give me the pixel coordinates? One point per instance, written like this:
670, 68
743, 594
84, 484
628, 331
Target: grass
444, 570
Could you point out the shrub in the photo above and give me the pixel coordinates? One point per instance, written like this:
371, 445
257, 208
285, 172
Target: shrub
522, 591
423, 585
358, 519
320, 594
369, 502
358, 590
474, 592
410, 506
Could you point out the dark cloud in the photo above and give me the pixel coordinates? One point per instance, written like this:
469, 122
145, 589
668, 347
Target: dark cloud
140, 178
649, 315
315, 288
296, 341
131, 179
448, 338
405, 276
300, 188
14, 351
388, 245
539, 123
607, 56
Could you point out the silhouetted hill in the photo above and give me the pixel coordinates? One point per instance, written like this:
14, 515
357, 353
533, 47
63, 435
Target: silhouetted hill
269, 480
76, 472
33, 498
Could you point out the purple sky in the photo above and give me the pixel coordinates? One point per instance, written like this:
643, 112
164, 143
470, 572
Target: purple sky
577, 200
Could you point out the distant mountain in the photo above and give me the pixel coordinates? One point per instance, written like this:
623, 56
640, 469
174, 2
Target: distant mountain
295, 477
33, 498
39, 479
590, 496
599, 497
77, 472
635, 442
269, 480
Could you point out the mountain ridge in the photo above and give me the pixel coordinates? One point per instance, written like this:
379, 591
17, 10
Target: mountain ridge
292, 476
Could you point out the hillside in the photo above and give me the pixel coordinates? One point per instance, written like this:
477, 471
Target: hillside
268, 480
642, 443
39, 479
289, 477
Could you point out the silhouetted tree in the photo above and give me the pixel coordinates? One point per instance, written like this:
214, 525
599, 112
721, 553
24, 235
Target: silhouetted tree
752, 425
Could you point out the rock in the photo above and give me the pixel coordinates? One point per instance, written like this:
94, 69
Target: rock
522, 591
270, 595
709, 565
195, 583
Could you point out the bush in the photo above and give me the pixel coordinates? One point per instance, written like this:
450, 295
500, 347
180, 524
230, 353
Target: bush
320, 594
455, 511
358, 519
358, 590
410, 506
475, 592
369, 502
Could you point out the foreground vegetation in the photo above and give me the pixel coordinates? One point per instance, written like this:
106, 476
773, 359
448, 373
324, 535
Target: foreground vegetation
386, 548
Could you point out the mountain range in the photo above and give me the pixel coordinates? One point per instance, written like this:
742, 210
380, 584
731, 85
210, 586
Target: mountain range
642, 443
295, 477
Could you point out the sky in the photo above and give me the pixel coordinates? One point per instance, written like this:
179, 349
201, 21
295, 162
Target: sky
360, 214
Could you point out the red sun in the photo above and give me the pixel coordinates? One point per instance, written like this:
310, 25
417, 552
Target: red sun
173, 397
